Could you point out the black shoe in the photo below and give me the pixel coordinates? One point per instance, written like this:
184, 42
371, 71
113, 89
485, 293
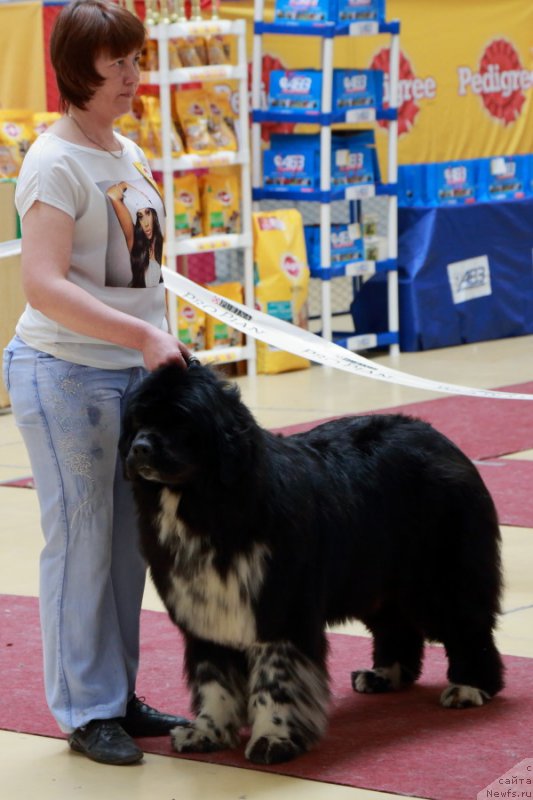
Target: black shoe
142, 720
105, 741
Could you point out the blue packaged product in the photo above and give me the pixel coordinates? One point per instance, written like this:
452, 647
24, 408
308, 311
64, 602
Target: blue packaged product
346, 244
357, 88
305, 10
451, 183
353, 159
300, 90
293, 161
361, 10
503, 178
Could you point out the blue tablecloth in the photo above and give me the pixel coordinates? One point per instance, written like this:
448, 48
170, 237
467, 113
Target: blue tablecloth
445, 301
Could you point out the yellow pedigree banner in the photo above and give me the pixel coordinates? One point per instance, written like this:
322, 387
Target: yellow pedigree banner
22, 73
466, 74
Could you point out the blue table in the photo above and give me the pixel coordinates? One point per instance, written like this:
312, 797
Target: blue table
465, 272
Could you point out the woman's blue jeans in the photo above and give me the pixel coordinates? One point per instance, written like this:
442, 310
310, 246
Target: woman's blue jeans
91, 571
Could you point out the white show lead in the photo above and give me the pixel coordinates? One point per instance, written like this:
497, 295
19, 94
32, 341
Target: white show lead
285, 336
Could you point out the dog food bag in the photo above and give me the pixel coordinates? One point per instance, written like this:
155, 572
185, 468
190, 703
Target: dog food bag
221, 120
282, 279
217, 333
187, 213
221, 201
130, 124
174, 60
218, 50
191, 325
192, 109
149, 56
273, 296
150, 130
192, 51
16, 136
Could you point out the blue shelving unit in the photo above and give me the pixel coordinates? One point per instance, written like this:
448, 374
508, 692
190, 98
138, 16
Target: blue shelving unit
325, 195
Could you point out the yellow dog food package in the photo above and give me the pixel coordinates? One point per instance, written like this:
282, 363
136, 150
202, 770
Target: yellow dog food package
218, 334
191, 325
192, 109
150, 130
221, 201
16, 136
222, 120
149, 56
192, 51
219, 49
129, 124
187, 214
174, 60
282, 280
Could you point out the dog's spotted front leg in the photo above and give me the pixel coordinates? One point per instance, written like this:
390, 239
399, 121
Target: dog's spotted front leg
288, 702
220, 704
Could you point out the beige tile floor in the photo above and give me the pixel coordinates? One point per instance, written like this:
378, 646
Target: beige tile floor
33, 766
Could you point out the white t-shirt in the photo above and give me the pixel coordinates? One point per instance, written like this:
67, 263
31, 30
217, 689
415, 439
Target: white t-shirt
75, 179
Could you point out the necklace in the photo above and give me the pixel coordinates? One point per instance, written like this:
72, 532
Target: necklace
93, 141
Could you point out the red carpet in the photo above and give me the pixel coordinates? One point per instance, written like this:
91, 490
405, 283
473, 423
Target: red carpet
403, 743
19, 483
509, 482
482, 428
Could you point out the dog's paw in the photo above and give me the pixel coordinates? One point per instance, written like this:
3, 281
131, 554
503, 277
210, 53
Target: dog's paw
271, 750
455, 696
375, 681
203, 736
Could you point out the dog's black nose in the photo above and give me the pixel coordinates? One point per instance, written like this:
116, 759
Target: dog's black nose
141, 446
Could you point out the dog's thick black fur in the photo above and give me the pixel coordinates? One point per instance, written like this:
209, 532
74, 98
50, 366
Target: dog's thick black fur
256, 541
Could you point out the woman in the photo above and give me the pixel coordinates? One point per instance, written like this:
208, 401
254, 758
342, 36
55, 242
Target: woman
81, 347
142, 231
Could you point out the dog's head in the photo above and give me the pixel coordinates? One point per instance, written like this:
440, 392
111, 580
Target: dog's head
185, 425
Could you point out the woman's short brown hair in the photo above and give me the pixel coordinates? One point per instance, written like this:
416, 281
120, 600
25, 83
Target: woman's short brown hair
83, 30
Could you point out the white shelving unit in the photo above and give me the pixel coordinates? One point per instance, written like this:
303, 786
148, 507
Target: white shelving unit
167, 79
328, 33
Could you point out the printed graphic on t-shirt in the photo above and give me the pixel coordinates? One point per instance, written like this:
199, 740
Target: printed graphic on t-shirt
135, 234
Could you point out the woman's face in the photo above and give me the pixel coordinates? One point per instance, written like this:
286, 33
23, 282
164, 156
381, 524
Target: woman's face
145, 218
121, 79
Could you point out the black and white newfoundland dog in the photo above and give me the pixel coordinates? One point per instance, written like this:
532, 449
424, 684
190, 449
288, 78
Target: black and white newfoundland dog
256, 542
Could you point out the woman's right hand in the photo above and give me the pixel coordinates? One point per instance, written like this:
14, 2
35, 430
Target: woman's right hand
161, 348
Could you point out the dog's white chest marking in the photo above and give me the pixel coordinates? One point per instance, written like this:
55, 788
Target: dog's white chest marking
209, 604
